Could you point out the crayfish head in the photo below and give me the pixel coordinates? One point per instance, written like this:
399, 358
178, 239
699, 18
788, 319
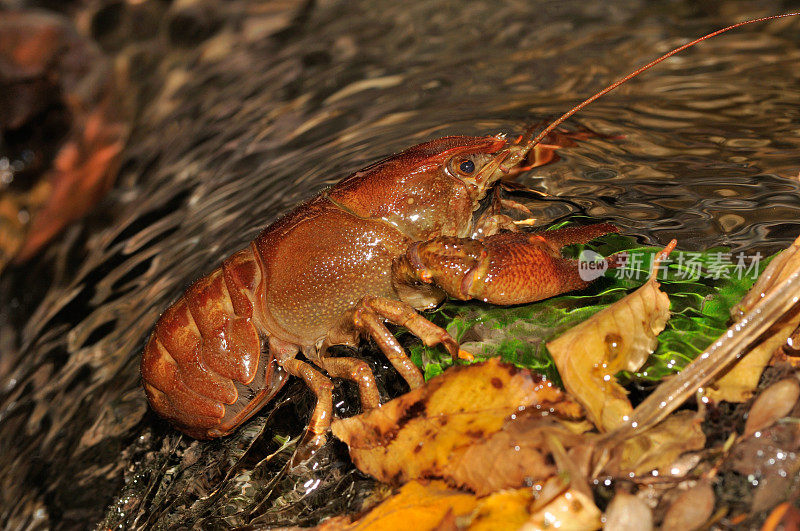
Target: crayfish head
432, 188
481, 168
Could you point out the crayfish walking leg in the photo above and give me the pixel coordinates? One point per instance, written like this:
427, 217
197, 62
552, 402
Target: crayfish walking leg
316, 433
355, 370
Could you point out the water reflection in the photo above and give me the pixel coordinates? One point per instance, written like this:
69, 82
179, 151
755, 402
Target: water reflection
282, 99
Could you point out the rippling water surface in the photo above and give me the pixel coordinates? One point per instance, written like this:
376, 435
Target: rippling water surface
266, 104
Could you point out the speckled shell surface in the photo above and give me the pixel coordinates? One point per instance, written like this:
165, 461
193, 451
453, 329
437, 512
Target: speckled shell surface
318, 262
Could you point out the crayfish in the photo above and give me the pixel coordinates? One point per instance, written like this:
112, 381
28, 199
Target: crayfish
392, 239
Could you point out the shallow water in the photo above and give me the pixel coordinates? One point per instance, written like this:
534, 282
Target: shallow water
279, 100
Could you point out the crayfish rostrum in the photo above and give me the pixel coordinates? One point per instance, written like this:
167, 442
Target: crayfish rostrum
389, 240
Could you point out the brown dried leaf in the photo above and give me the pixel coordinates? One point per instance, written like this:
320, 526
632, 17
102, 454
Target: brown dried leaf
774, 451
691, 509
774, 403
627, 512
784, 516
618, 338
659, 447
455, 427
519, 453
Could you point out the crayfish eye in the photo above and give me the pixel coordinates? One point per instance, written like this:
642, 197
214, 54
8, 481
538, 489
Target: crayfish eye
467, 166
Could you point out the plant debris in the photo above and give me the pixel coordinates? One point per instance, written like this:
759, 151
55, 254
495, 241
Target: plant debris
479, 426
531, 462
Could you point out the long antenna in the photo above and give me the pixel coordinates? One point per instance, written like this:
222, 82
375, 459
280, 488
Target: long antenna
632, 75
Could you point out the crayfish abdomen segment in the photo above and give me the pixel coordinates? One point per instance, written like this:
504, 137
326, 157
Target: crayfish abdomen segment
202, 366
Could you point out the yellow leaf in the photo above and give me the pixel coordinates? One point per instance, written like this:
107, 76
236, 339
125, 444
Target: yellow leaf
416, 506
427, 432
507, 509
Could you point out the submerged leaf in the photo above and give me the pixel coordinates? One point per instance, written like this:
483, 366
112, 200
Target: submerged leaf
457, 427
778, 306
618, 338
